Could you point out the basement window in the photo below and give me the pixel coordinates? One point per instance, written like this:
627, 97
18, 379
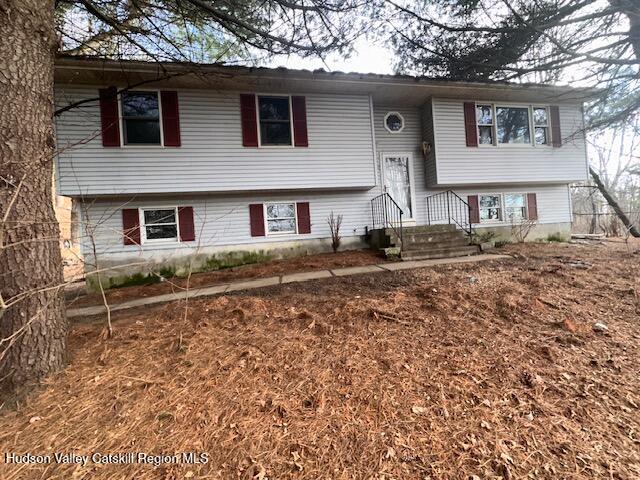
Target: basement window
490, 208
515, 206
280, 218
159, 224
140, 118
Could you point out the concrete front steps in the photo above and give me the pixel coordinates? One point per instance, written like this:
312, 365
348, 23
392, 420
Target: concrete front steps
433, 241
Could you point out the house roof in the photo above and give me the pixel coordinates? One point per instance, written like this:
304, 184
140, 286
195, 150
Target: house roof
402, 90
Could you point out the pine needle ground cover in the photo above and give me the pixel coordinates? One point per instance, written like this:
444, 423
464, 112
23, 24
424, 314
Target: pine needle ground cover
480, 371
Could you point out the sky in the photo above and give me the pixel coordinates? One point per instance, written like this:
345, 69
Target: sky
366, 58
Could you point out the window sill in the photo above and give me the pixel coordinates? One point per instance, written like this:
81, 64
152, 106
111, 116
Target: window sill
280, 234
276, 146
516, 145
492, 223
168, 241
499, 223
143, 145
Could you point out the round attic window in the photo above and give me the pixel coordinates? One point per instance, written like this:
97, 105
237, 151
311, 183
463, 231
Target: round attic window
393, 122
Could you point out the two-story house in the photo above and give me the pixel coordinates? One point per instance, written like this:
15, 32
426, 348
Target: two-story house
211, 165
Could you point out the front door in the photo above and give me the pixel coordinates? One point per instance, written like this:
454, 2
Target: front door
397, 180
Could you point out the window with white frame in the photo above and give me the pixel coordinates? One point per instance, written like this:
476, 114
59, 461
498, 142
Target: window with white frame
159, 224
140, 118
490, 208
484, 118
393, 122
281, 217
512, 125
515, 206
520, 125
541, 125
274, 114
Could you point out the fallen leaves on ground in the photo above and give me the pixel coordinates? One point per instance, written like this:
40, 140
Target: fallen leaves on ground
415, 374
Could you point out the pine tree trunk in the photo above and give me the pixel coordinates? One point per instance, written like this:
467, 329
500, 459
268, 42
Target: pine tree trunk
33, 331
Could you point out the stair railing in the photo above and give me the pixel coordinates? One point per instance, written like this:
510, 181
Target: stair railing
386, 213
449, 207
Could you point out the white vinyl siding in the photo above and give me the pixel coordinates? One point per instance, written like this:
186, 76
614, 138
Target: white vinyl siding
552, 200
212, 157
428, 136
408, 140
223, 221
458, 164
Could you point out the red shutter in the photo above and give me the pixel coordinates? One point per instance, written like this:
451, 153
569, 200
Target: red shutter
474, 209
131, 226
470, 127
185, 219
532, 206
249, 120
170, 118
256, 218
304, 217
109, 117
299, 109
556, 135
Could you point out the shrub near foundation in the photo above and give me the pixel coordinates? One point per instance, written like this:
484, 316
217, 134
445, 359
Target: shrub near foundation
556, 237
214, 262
502, 243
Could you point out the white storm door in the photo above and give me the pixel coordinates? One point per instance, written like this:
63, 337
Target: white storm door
397, 181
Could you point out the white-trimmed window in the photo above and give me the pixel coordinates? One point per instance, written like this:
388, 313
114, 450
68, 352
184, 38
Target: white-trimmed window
541, 125
515, 206
159, 224
280, 218
140, 112
490, 207
484, 119
274, 115
394, 122
512, 125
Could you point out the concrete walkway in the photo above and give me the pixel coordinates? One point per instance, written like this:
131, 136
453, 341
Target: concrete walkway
270, 281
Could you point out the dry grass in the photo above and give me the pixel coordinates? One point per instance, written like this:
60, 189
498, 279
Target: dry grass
490, 370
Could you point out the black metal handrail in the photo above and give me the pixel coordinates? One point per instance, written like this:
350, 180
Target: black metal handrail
450, 208
386, 213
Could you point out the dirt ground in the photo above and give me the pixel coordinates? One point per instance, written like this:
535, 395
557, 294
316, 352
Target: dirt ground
471, 371
320, 261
